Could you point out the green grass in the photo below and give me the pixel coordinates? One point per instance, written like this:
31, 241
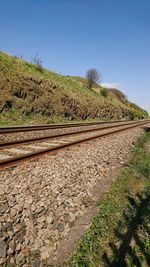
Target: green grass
16, 117
55, 94
122, 210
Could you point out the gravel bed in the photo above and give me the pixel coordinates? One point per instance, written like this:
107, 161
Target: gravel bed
34, 134
41, 200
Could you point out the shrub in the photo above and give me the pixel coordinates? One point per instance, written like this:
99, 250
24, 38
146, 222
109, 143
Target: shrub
104, 92
131, 115
38, 63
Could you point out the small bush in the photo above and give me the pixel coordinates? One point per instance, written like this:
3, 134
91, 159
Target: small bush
131, 115
38, 63
104, 92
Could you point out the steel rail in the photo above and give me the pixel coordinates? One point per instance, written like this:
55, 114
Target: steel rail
13, 161
37, 139
16, 129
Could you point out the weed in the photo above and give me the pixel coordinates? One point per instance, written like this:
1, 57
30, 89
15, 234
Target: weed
119, 234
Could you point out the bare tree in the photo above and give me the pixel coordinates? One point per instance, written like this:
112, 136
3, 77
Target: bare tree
92, 76
37, 62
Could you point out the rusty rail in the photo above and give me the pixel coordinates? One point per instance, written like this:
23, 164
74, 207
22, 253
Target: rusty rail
13, 161
16, 129
37, 139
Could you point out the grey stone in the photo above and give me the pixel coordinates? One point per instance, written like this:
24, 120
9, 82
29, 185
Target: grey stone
39, 209
60, 227
3, 208
8, 225
3, 247
36, 263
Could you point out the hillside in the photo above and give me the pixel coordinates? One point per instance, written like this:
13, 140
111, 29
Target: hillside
30, 94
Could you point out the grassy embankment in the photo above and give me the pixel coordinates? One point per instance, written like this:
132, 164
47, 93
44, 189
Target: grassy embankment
120, 233
29, 94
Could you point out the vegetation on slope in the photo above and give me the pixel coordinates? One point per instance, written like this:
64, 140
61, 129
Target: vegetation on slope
28, 93
120, 233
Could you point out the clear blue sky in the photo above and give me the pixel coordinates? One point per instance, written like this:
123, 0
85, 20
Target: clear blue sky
72, 36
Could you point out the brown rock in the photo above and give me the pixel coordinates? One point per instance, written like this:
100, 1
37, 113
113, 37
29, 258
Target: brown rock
12, 244
17, 228
13, 212
41, 219
10, 251
29, 200
44, 252
33, 207
2, 219
3, 260
18, 247
12, 261
50, 219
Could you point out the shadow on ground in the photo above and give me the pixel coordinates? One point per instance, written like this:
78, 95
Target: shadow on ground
133, 235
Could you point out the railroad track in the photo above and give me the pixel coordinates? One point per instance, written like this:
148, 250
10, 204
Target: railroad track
16, 129
36, 147
37, 139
